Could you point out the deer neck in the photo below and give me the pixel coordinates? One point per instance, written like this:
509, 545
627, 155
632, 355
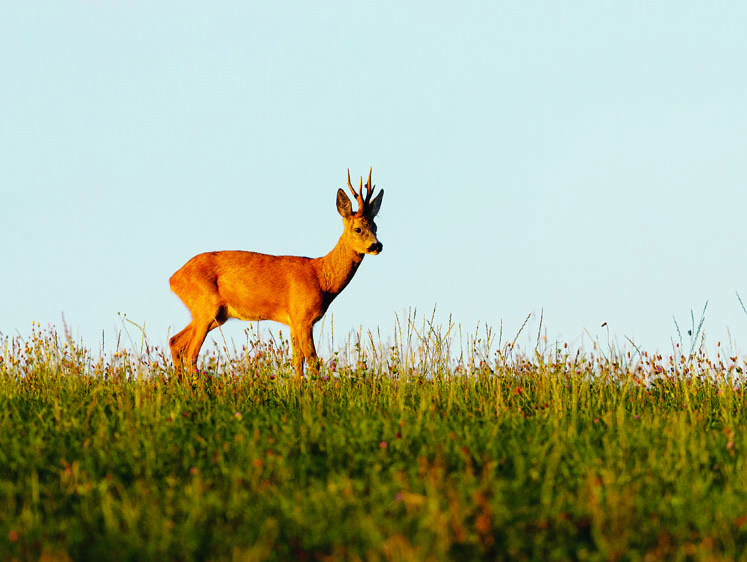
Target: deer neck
337, 268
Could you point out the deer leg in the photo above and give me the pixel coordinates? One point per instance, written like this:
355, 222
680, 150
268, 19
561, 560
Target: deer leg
198, 338
185, 346
298, 357
303, 346
178, 344
311, 356
199, 333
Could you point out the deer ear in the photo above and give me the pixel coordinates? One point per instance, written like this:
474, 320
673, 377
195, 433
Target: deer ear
344, 207
375, 205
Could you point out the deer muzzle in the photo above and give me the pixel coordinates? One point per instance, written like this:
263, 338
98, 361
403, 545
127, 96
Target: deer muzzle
375, 248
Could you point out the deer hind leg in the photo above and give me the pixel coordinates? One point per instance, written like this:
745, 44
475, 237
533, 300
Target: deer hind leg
178, 345
185, 346
200, 328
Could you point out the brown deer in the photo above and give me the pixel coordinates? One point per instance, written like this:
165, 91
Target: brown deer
294, 290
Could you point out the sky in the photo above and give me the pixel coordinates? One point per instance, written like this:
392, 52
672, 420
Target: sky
582, 163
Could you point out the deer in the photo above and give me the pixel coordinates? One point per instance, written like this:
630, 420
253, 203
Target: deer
293, 290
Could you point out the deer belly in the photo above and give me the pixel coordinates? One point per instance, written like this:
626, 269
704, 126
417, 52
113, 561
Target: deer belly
255, 313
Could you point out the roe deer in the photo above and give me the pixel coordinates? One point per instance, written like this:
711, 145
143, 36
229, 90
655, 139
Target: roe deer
294, 290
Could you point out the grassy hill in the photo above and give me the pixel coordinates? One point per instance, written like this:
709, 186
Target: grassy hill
400, 453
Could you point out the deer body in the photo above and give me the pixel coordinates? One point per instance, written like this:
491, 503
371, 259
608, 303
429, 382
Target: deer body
293, 290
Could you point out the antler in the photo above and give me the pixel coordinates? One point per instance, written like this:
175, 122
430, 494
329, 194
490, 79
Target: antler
369, 187
362, 204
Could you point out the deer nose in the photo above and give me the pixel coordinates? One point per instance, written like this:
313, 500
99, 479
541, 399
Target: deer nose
376, 248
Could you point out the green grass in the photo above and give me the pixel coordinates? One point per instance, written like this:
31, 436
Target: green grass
400, 454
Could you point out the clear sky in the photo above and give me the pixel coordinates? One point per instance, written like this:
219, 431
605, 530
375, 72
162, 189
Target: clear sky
584, 160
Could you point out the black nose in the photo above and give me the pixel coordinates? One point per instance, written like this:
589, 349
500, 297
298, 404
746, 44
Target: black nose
376, 248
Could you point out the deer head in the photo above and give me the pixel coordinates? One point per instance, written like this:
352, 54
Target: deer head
360, 228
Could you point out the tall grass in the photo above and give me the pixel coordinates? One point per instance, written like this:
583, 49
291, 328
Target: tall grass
423, 448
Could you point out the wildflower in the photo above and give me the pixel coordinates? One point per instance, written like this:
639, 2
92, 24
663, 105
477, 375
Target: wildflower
13, 536
237, 415
383, 445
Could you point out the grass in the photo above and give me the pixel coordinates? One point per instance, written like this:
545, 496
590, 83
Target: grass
411, 452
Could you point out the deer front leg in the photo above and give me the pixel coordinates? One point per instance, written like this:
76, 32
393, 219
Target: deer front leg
298, 358
302, 339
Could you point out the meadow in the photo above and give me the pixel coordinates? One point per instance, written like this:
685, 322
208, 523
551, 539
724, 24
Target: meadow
410, 450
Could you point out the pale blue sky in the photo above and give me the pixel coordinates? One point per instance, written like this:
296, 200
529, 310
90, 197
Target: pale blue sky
582, 158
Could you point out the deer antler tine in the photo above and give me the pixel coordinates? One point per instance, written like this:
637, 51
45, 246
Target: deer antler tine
350, 185
358, 196
369, 187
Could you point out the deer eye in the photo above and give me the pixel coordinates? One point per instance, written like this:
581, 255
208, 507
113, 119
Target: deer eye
357, 230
